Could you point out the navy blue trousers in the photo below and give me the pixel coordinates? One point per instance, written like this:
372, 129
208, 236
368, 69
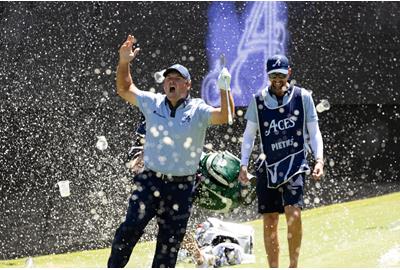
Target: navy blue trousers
170, 202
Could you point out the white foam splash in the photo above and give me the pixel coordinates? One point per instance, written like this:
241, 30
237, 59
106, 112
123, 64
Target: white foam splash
395, 226
29, 263
323, 106
390, 258
101, 143
159, 76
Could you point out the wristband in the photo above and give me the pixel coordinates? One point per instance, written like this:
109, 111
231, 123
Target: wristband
320, 160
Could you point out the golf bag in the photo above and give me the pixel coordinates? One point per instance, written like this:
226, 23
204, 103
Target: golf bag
219, 189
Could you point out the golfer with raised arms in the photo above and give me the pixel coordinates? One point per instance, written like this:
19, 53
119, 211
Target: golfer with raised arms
176, 125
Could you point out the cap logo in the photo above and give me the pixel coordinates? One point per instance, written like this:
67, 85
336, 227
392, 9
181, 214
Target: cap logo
277, 62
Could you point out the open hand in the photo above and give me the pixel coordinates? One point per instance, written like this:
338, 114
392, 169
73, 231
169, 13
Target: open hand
126, 52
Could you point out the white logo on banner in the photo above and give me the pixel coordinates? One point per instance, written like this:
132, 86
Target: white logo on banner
264, 35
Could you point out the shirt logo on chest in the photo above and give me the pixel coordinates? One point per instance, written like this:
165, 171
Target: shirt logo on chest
186, 119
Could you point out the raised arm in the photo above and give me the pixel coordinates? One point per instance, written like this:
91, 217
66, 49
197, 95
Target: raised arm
125, 86
220, 115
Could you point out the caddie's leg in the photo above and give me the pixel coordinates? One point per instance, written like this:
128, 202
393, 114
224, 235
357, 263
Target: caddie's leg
140, 211
271, 241
270, 205
174, 212
294, 233
293, 203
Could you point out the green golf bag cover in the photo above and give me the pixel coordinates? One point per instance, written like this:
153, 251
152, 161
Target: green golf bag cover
219, 189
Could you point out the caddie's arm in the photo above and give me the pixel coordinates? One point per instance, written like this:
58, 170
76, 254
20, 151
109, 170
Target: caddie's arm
125, 86
220, 115
317, 146
247, 146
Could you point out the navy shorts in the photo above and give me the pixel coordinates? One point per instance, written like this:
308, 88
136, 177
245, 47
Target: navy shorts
272, 200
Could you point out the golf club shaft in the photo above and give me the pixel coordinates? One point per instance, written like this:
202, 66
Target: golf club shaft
230, 121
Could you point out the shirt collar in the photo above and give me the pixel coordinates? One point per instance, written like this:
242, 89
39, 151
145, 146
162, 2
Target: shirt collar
183, 101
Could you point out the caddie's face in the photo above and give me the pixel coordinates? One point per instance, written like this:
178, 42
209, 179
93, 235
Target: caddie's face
279, 80
175, 86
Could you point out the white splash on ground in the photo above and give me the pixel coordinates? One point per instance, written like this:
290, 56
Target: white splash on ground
390, 258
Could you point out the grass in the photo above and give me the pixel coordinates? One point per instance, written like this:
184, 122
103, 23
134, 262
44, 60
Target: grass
353, 234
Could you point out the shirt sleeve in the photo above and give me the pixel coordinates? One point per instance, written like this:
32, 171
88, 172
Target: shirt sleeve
205, 113
251, 113
316, 142
145, 101
248, 142
309, 107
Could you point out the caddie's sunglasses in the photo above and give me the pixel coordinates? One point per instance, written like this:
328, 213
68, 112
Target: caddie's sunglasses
274, 76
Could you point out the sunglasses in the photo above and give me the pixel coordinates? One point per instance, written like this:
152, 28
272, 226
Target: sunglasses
273, 76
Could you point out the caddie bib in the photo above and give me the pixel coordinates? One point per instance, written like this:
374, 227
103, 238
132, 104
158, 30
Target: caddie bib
282, 136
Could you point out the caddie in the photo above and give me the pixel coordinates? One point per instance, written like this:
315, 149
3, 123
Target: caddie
286, 119
176, 125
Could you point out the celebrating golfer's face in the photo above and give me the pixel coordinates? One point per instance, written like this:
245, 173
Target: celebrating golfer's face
176, 87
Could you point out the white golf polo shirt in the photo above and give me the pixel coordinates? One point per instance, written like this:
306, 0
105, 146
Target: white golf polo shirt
173, 144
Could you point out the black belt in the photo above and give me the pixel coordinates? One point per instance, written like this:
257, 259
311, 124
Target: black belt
172, 178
